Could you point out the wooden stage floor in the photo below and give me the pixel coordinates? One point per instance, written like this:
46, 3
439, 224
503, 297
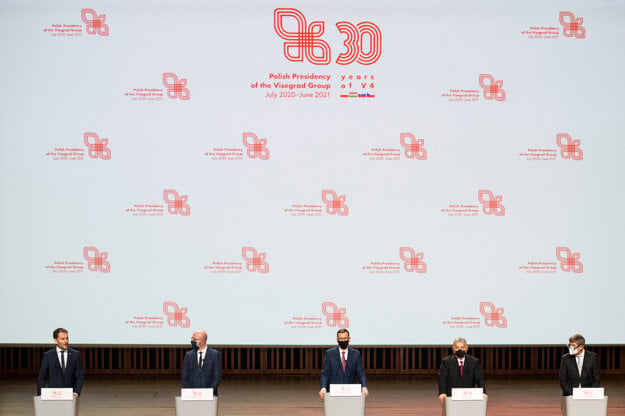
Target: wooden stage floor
297, 396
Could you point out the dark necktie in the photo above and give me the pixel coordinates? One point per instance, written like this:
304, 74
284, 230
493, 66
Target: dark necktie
63, 361
201, 363
343, 360
461, 367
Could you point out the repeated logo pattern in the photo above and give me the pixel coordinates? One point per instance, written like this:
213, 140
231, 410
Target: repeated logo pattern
176, 88
491, 204
256, 148
493, 316
335, 204
255, 261
413, 262
176, 204
176, 316
493, 90
335, 316
96, 261
94, 22
413, 147
569, 148
97, 148
572, 27
569, 261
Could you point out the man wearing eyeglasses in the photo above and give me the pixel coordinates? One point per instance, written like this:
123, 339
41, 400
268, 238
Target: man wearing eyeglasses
201, 368
579, 368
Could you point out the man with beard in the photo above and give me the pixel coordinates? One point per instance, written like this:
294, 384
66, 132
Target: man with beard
459, 370
342, 365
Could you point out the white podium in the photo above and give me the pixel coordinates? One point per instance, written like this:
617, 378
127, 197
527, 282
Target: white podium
585, 402
344, 400
55, 407
196, 407
464, 407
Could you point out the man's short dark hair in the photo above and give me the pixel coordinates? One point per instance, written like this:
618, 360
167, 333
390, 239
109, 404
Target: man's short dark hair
577, 339
342, 331
57, 331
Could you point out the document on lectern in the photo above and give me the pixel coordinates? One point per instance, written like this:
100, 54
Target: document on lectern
196, 394
345, 390
467, 394
57, 394
588, 393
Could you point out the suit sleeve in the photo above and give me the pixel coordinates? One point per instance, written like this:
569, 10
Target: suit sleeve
443, 377
360, 372
479, 377
594, 372
325, 372
564, 382
43, 374
79, 376
216, 373
186, 371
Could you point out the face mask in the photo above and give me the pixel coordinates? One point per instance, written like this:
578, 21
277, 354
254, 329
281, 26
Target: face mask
343, 344
460, 353
572, 350
194, 345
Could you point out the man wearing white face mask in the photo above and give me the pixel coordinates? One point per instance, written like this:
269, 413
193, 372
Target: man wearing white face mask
579, 368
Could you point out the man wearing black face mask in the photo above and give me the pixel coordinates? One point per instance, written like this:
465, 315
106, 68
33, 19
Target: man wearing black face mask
459, 370
342, 365
201, 367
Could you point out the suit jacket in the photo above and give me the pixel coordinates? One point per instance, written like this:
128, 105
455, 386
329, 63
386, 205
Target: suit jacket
570, 377
332, 372
208, 376
449, 375
51, 372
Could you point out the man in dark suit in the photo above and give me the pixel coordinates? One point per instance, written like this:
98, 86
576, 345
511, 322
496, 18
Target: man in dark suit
61, 366
579, 368
201, 367
459, 370
342, 365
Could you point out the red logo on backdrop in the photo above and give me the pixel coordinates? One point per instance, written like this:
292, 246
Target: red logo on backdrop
493, 90
96, 261
256, 148
491, 204
572, 26
176, 316
413, 147
306, 40
95, 22
176, 204
569, 261
335, 316
335, 204
493, 316
569, 148
97, 147
255, 261
413, 262
176, 88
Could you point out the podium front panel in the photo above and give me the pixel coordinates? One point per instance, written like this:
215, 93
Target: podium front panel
196, 407
343, 405
464, 407
55, 407
572, 407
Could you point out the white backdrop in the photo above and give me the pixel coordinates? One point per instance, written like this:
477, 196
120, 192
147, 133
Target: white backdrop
97, 143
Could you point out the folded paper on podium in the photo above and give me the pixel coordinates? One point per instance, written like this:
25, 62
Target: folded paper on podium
465, 402
585, 402
56, 402
344, 400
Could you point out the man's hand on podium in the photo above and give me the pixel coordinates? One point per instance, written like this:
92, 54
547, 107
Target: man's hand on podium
321, 393
442, 397
365, 391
